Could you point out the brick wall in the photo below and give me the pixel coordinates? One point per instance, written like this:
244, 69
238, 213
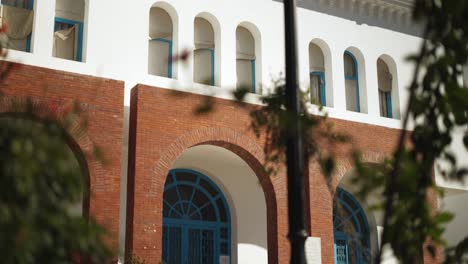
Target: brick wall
164, 125
101, 102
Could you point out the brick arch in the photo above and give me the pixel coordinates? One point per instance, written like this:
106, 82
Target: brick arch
76, 138
344, 166
245, 147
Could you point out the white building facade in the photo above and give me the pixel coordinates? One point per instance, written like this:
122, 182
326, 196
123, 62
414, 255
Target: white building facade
351, 59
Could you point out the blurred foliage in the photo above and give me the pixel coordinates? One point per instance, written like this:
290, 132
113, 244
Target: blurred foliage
436, 108
42, 185
41, 196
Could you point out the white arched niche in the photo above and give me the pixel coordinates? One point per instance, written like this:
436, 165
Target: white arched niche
69, 27
160, 43
244, 195
321, 88
355, 80
245, 59
206, 54
389, 102
248, 57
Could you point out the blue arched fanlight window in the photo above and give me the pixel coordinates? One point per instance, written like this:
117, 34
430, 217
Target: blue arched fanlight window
351, 82
351, 230
24, 4
196, 220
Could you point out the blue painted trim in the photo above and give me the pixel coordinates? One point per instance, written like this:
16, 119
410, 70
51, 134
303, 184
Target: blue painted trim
322, 92
212, 66
253, 76
184, 225
169, 64
388, 97
356, 78
79, 51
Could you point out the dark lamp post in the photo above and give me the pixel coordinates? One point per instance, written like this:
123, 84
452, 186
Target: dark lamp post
295, 152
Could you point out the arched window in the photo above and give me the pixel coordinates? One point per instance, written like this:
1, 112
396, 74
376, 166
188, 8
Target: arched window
317, 75
385, 81
19, 16
68, 29
204, 53
351, 82
245, 59
350, 230
196, 220
160, 43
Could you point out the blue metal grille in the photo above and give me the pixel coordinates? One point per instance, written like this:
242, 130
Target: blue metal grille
351, 230
196, 220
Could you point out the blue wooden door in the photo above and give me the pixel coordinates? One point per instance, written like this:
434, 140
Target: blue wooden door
196, 220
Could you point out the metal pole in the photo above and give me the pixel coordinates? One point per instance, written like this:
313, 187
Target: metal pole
295, 151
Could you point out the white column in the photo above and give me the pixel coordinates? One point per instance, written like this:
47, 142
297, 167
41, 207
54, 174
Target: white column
373, 108
228, 74
185, 45
43, 29
339, 93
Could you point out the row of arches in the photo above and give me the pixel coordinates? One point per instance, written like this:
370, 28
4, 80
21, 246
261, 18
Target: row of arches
354, 79
69, 22
161, 52
205, 50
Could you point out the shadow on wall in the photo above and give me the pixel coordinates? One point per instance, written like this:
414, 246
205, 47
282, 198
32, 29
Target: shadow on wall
369, 15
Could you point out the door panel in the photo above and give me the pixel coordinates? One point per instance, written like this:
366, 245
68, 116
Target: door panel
172, 245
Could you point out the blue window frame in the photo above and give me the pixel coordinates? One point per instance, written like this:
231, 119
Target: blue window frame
252, 63
385, 104
169, 52
354, 77
252, 85
351, 230
196, 219
26, 4
62, 23
321, 92
212, 67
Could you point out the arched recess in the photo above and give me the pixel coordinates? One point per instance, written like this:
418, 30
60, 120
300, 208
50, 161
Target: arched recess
162, 40
257, 39
245, 148
320, 72
247, 57
387, 77
355, 80
363, 214
207, 50
20, 31
69, 24
71, 146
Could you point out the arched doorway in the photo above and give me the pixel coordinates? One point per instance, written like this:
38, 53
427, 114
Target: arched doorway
196, 220
351, 230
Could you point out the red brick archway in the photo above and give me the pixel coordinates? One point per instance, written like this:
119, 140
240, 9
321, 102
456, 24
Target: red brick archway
146, 183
